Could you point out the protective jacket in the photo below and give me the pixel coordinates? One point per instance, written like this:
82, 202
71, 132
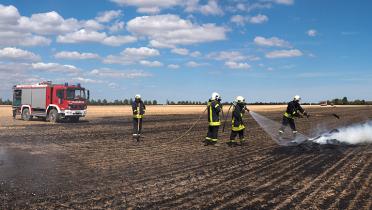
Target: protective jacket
139, 109
293, 110
214, 109
237, 117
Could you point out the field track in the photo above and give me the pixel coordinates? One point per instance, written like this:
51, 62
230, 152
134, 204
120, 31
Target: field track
95, 164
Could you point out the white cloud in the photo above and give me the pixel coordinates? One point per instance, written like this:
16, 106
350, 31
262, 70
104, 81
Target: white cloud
286, 2
195, 54
107, 72
86, 80
107, 16
193, 64
76, 55
171, 30
241, 20
91, 25
17, 30
173, 66
130, 55
149, 6
180, 51
11, 38
55, 67
10, 53
151, 63
48, 23
258, 19
284, 53
117, 26
237, 65
211, 8
271, 42
118, 40
231, 56
84, 35
248, 7
312, 32
238, 20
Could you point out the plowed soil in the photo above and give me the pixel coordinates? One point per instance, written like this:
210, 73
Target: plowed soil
95, 164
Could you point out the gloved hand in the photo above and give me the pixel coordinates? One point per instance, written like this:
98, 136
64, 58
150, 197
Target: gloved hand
135, 112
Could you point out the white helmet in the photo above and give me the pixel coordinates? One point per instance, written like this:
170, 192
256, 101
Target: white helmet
215, 96
240, 99
297, 98
138, 96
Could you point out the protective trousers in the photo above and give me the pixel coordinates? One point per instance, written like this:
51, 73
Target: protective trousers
235, 133
288, 121
137, 125
212, 135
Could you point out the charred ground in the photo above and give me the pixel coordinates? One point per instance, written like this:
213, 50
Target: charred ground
96, 164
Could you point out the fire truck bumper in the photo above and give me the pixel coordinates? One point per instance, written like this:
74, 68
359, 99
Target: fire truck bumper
80, 113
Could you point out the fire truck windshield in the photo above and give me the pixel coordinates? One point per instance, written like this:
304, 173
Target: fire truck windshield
75, 94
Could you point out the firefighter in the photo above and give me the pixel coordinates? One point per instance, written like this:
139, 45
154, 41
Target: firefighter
139, 110
294, 109
237, 124
214, 108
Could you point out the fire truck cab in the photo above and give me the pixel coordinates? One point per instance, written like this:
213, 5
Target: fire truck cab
51, 102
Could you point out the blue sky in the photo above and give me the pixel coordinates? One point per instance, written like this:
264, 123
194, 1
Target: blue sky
264, 50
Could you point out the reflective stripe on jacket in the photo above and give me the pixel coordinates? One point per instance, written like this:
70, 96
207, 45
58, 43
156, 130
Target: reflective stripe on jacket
214, 109
237, 118
293, 110
138, 109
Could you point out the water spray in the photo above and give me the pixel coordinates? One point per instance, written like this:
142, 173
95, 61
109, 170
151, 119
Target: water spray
272, 128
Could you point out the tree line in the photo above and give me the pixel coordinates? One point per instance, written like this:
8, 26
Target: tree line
336, 101
120, 102
5, 102
345, 101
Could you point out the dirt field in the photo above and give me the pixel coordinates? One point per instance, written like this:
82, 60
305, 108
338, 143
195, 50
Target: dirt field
95, 164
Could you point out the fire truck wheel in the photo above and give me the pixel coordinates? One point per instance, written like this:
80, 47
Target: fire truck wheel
26, 114
54, 116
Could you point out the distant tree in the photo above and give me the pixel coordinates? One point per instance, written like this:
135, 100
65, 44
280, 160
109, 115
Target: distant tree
1, 101
344, 100
126, 102
154, 102
130, 101
104, 102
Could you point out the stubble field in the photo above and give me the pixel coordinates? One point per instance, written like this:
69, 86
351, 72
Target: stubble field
95, 164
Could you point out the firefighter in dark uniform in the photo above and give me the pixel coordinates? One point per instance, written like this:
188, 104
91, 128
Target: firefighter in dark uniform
214, 108
294, 109
139, 109
237, 124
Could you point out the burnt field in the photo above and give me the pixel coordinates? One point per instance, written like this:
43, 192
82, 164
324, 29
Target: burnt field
95, 164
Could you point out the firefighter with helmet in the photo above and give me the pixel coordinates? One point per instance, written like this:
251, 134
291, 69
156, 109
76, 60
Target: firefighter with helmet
139, 109
294, 110
237, 124
214, 108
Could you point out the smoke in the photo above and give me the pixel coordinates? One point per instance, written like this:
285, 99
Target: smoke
354, 134
272, 128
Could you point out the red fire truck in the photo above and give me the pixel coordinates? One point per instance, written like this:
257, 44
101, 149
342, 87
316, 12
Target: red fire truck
49, 101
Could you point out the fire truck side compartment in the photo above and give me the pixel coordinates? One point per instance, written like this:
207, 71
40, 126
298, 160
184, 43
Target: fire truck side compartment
36, 97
